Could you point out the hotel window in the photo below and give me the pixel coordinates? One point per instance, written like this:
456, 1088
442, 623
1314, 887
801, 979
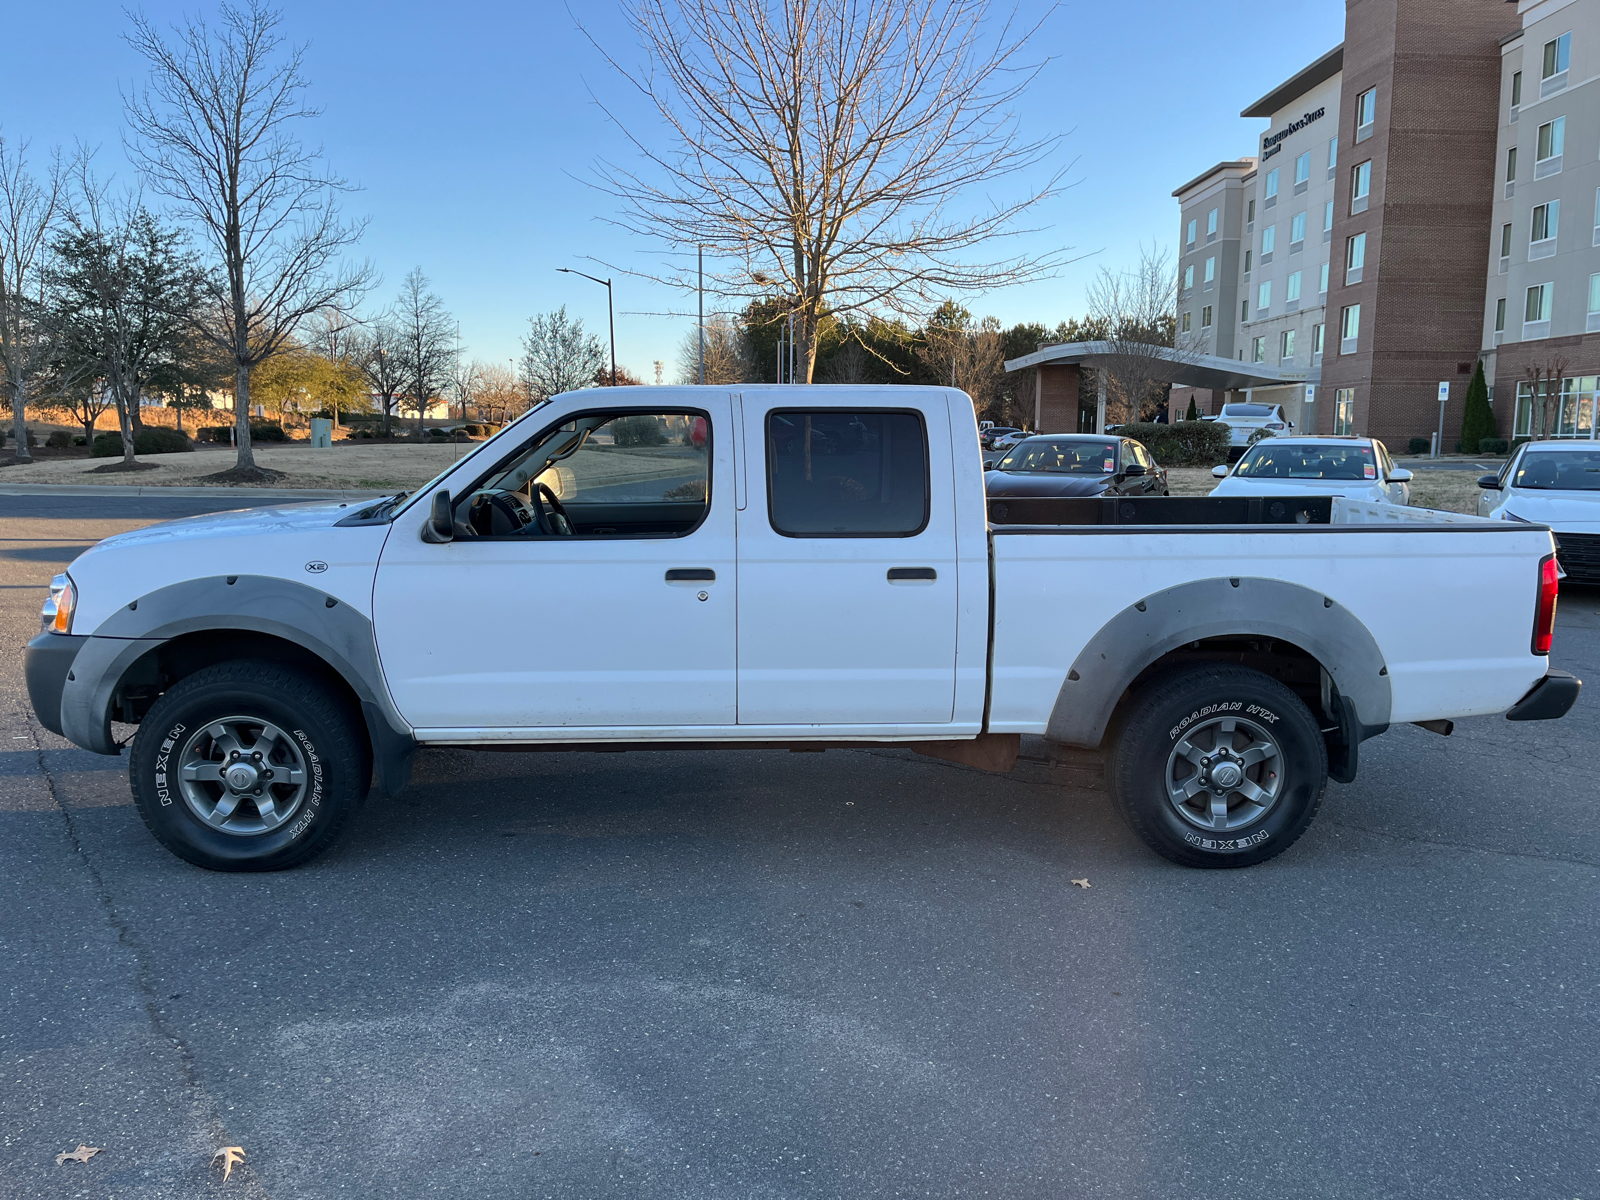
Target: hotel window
1184, 325
1247, 264
1366, 113
1523, 421
1552, 136
1593, 322
1349, 328
1250, 213
1272, 187
1302, 172
1211, 224
1264, 296
1205, 317
1511, 170
1333, 155
1190, 238
1576, 417
1188, 277
1500, 315
1322, 284
1244, 313
1596, 217
1516, 91
1327, 218
1286, 346
1317, 333
1344, 412
1542, 237
1505, 247
1258, 350
1536, 311
1554, 75
1211, 270
1360, 186
1297, 231
1291, 291
1269, 240
1355, 257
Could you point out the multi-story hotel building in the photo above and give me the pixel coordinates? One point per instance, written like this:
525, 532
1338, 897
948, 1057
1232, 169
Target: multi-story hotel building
1358, 272
1541, 313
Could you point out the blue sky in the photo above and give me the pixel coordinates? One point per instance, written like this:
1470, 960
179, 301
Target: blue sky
471, 129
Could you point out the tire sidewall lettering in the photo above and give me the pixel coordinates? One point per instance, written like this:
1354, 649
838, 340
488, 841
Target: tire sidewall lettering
163, 755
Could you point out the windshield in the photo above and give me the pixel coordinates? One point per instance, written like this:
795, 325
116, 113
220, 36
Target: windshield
1247, 410
1277, 459
1062, 458
1559, 471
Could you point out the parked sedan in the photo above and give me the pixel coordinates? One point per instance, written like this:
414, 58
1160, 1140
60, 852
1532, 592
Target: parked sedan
988, 437
1076, 464
1359, 468
1555, 484
1244, 421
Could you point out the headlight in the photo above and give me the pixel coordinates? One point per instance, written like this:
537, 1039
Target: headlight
57, 614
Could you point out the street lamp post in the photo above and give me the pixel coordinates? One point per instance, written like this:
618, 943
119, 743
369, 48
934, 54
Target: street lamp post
610, 316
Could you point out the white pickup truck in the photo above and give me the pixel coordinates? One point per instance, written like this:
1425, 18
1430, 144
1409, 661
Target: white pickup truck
795, 567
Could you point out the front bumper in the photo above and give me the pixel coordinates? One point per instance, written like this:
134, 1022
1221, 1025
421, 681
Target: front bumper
47, 663
1548, 699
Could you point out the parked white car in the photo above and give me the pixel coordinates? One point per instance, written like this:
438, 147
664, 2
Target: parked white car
1244, 421
1358, 468
1555, 484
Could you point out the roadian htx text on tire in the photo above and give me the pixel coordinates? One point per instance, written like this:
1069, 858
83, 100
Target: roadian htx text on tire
249, 766
1218, 766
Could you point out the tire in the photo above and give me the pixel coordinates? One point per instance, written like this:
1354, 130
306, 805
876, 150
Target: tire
287, 734
1170, 742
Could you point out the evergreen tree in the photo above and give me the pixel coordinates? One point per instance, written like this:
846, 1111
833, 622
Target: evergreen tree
1477, 420
1194, 413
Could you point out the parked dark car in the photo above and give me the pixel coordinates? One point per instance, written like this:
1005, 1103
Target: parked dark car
1076, 464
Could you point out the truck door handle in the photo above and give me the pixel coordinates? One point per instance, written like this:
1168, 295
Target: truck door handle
899, 574
691, 575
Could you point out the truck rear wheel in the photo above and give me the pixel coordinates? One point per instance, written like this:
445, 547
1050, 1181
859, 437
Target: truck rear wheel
248, 766
1219, 767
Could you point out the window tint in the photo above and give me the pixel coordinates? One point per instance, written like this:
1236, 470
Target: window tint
858, 473
1278, 459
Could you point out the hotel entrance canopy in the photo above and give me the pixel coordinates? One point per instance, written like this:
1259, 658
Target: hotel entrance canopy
1187, 370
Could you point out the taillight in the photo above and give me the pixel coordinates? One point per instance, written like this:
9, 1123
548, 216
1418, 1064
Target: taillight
1544, 617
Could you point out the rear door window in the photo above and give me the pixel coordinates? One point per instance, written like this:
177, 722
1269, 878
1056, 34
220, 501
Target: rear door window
847, 473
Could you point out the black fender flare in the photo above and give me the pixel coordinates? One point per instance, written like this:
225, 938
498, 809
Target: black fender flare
1226, 606
339, 635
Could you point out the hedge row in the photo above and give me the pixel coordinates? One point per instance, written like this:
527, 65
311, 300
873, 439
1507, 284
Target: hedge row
152, 439
1183, 444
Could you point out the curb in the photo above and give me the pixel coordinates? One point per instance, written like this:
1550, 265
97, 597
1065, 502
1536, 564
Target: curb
208, 493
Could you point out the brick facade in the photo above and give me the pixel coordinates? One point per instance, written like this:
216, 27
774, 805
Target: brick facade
1435, 64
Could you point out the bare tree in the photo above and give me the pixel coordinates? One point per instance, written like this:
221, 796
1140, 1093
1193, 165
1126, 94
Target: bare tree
558, 356
377, 353
1543, 377
214, 131
727, 353
426, 342
820, 148
31, 208
957, 353
496, 394
1138, 311
337, 336
464, 378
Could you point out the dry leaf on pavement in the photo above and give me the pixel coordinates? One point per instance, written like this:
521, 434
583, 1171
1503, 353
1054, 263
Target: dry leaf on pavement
1083, 883
229, 1155
81, 1154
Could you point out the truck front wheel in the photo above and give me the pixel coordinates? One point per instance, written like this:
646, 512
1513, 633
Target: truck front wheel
248, 766
1219, 767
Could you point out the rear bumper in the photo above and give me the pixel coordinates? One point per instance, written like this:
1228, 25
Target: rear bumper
48, 661
1548, 699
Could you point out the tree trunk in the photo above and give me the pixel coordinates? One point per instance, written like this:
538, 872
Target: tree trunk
125, 426
19, 418
88, 436
241, 418
388, 402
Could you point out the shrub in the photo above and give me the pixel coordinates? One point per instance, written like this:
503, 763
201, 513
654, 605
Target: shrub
1187, 443
1477, 421
1418, 446
59, 439
218, 434
1493, 445
148, 441
79, 440
638, 431
472, 430
267, 433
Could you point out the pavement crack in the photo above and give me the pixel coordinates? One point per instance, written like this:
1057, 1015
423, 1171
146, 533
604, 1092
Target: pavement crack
1444, 845
205, 1107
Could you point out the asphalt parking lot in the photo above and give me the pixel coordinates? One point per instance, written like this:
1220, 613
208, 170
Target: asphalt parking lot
776, 975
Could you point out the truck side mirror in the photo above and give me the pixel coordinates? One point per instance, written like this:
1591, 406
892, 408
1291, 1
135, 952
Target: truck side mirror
441, 523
